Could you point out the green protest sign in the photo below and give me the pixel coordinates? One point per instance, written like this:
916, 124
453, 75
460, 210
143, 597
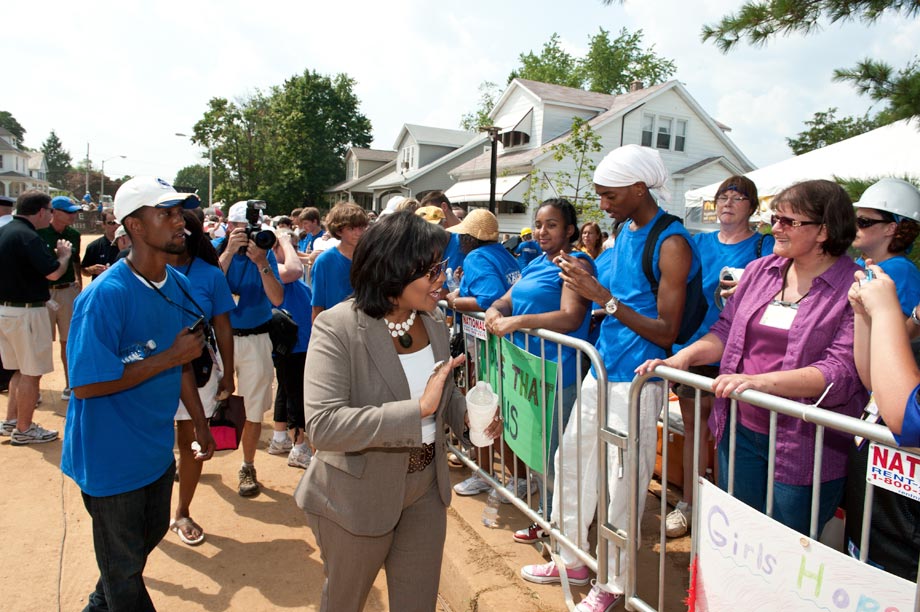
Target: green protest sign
522, 382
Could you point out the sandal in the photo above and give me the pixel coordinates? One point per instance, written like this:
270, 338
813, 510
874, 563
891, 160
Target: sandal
185, 524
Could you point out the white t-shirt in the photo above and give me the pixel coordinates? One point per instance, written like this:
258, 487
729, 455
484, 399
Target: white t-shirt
418, 367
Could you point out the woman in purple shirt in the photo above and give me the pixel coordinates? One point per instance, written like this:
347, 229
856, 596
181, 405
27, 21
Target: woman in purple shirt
788, 331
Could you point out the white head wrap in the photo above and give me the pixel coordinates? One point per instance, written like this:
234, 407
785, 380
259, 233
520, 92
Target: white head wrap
631, 164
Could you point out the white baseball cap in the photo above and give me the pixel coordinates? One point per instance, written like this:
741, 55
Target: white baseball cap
149, 191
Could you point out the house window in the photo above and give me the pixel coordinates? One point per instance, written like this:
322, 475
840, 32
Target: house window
664, 133
680, 135
648, 128
1, 161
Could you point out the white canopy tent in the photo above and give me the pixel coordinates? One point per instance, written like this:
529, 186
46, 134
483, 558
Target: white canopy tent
891, 150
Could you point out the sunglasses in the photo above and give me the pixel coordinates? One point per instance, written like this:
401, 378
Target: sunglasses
435, 271
111, 222
787, 222
864, 222
724, 199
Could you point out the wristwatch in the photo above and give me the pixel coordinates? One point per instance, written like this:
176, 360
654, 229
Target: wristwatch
612, 305
913, 317
266, 270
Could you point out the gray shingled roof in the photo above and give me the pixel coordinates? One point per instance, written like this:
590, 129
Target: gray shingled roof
373, 154
569, 95
697, 165
424, 134
347, 185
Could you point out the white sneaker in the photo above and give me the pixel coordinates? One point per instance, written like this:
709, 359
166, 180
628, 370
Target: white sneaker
300, 458
677, 523
280, 448
65, 394
519, 491
35, 434
7, 427
474, 485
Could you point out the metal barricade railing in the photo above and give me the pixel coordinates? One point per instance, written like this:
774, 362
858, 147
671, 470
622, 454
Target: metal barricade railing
585, 354
821, 418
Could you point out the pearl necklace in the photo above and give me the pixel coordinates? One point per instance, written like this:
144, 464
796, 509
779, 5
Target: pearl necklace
400, 330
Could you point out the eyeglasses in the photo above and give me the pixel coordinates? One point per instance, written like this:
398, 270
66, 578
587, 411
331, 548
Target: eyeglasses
865, 222
724, 199
111, 222
435, 271
787, 222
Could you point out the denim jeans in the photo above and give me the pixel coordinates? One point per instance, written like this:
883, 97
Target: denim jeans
791, 503
126, 528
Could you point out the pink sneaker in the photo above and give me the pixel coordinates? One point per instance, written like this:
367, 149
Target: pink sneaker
548, 573
598, 600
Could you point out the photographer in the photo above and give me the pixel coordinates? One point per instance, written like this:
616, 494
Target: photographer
252, 272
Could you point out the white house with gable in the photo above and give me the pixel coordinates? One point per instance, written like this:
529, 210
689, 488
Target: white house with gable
533, 116
20, 170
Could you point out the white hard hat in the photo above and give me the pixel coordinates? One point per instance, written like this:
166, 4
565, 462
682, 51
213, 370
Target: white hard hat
894, 196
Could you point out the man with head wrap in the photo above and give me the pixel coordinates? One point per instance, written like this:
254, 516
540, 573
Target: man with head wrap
637, 325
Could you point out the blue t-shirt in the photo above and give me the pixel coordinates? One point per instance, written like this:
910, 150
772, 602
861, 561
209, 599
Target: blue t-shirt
452, 252
539, 291
621, 348
245, 280
714, 256
306, 242
331, 278
488, 273
527, 251
123, 441
906, 279
910, 426
297, 301
209, 287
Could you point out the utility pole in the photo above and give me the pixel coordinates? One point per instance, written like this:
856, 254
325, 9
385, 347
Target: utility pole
87, 167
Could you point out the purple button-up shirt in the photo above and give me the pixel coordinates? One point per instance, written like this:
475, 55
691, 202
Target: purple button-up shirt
822, 337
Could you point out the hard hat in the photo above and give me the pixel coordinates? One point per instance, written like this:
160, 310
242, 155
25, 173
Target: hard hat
894, 196
526, 232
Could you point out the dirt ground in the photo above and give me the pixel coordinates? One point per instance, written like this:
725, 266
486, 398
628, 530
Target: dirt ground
259, 553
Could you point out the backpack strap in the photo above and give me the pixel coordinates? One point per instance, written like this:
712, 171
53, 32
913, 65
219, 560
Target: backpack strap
759, 249
651, 243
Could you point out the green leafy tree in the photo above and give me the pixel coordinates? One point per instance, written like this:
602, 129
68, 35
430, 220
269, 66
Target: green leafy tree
611, 66
488, 96
758, 21
8, 121
553, 65
57, 158
577, 151
825, 129
195, 177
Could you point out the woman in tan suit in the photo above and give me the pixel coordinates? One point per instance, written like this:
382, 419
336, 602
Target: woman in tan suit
377, 394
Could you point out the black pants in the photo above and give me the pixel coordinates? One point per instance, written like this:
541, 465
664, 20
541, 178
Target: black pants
289, 395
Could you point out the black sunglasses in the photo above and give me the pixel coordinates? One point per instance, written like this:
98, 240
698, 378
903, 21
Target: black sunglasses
790, 222
436, 270
864, 222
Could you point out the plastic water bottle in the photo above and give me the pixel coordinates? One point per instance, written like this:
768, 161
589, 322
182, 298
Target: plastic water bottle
490, 510
452, 284
138, 351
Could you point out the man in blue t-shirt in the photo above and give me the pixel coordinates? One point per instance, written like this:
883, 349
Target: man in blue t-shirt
252, 274
528, 250
128, 372
638, 326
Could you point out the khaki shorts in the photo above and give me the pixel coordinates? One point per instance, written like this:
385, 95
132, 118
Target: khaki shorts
252, 361
25, 340
60, 316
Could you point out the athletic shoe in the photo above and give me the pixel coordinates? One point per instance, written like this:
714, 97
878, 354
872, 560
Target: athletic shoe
530, 535
520, 491
65, 394
300, 458
7, 427
474, 485
548, 573
249, 486
598, 600
677, 523
35, 434
280, 448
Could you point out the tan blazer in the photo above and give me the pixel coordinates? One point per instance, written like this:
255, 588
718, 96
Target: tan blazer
362, 422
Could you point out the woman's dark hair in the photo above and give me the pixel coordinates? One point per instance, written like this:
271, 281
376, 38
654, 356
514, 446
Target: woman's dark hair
745, 187
568, 212
197, 243
904, 236
393, 252
825, 202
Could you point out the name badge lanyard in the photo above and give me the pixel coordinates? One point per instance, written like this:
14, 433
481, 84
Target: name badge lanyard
780, 313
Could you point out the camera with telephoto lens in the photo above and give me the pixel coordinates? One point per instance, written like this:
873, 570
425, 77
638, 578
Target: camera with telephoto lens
264, 239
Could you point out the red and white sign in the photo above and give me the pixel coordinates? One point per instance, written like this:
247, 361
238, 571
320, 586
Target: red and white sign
474, 327
894, 469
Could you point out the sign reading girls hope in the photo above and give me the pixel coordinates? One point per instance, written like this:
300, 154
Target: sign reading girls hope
748, 561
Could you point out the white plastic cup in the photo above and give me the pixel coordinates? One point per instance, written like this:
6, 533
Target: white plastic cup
481, 404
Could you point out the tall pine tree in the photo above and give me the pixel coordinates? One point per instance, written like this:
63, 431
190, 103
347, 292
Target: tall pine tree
57, 158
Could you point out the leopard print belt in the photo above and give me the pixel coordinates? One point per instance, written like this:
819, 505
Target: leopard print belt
420, 457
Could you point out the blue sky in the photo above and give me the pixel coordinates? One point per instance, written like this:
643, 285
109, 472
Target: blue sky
125, 77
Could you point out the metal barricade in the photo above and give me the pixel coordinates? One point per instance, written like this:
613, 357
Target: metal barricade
822, 419
550, 343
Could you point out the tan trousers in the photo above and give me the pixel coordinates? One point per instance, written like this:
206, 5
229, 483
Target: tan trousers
411, 553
